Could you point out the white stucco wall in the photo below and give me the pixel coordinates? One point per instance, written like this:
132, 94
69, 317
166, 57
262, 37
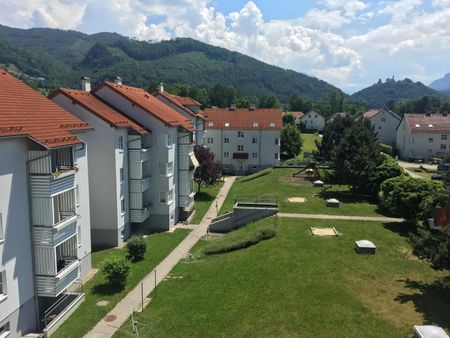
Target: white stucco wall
313, 121
385, 125
15, 251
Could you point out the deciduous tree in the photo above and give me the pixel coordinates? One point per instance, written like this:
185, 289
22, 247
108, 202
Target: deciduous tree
209, 170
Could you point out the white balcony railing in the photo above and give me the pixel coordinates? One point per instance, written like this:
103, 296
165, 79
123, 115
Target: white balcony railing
140, 215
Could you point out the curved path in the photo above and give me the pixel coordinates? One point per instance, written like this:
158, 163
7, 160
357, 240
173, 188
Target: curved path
343, 217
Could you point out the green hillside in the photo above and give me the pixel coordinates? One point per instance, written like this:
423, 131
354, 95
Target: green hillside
62, 57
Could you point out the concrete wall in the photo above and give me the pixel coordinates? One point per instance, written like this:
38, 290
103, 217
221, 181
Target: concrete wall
15, 251
385, 125
313, 121
260, 154
425, 145
159, 154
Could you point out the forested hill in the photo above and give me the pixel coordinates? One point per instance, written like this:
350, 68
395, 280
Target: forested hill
385, 94
53, 58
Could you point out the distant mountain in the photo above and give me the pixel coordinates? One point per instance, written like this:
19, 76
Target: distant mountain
442, 84
382, 94
52, 58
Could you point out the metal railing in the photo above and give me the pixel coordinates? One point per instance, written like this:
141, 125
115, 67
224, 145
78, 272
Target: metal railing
58, 307
255, 199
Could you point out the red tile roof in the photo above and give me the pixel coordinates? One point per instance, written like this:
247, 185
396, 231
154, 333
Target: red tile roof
99, 108
188, 101
243, 118
150, 104
25, 112
371, 113
177, 100
434, 123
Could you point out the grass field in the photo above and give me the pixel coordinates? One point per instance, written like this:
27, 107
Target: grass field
88, 314
309, 144
299, 285
279, 183
203, 200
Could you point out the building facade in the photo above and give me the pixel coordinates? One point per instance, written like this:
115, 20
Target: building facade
120, 176
313, 121
44, 209
424, 136
385, 123
244, 140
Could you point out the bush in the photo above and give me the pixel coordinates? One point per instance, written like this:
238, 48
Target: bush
116, 270
432, 245
387, 149
386, 170
136, 246
256, 175
234, 242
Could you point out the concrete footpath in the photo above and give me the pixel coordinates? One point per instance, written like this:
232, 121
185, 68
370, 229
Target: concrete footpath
132, 301
342, 217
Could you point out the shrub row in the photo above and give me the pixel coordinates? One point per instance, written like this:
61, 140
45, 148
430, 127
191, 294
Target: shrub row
256, 175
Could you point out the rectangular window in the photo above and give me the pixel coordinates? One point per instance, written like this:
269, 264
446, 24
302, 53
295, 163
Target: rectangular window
443, 137
120, 143
277, 141
169, 140
430, 139
226, 140
122, 175
5, 330
276, 156
162, 169
170, 197
383, 119
240, 147
255, 155
210, 140
169, 168
240, 134
226, 154
443, 146
1, 228
122, 205
3, 284
163, 197
255, 140
79, 235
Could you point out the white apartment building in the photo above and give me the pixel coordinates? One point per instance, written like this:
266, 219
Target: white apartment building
313, 121
423, 136
120, 176
187, 107
385, 123
244, 140
171, 158
44, 209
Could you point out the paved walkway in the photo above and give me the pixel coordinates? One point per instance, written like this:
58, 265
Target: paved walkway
344, 218
132, 301
407, 166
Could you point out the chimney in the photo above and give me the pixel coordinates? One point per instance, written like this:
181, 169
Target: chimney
161, 88
85, 84
233, 106
118, 80
253, 106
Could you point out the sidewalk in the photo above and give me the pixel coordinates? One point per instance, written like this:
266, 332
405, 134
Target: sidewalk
345, 218
132, 300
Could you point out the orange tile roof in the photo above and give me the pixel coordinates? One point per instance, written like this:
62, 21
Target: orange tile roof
187, 101
434, 123
244, 118
150, 104
177, 100
25, 112
100, 108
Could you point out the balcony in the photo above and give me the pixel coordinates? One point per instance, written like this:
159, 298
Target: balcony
139, 186
187, 202
48, 286
139, 155
51, 185
186, 149
140, 215
57, 211
53, 236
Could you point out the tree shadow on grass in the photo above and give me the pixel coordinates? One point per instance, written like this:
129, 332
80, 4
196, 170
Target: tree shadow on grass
203, 197
403, 229
346, 196
430, 299
106, 289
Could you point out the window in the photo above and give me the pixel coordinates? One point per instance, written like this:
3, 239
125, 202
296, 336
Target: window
430, 125
210, 140
210, 124
122, 205
276, 156
120, 142
163, 197
122, 175
272, 124
240, 147
255, 140
226, 140
240, 134
443, 137
255, 155
430, 139
3, 285
79, 235
241, 166
277, 141
169, 168
417, 125
170, 199
315, 116
169, 140
5, 330
162, 169
383, 119
166, 169
227, 124
164, 140
1, 228
443, 146
226, 154
255, 124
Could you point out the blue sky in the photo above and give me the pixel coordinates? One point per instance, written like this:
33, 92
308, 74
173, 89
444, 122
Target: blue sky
348, 43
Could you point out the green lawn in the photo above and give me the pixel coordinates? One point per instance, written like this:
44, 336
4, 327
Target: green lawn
279, 183
309, 144
425, 174
88, 314
203, 200
299, 285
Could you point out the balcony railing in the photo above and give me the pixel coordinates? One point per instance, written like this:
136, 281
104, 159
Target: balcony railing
140, 215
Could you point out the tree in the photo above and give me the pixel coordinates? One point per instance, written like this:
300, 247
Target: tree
332, 135
209, 170
409, 197
116, 270
270, 101
222, 96
336, 102
432, 245
389, 168
136, 246
291, 141
357, 156
288, 119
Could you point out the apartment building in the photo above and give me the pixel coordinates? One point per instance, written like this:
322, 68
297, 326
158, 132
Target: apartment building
120, 176
423, 136
44, 209
244, 140
187, 107
313, 121
171, 158
385, 123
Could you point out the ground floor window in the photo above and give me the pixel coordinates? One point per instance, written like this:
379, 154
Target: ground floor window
276, 156
4, 330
